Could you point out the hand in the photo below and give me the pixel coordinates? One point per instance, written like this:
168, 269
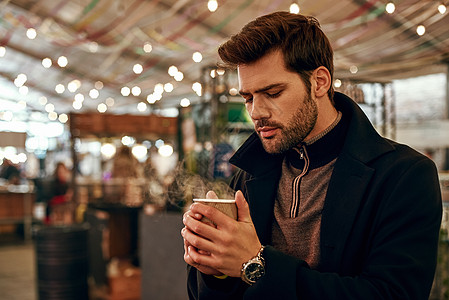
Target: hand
224, 248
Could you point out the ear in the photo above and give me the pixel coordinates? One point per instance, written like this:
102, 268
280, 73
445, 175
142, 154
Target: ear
321, 81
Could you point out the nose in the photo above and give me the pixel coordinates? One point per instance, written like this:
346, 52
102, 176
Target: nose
258, 109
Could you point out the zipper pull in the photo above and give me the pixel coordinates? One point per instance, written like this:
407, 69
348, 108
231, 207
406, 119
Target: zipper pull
301, 153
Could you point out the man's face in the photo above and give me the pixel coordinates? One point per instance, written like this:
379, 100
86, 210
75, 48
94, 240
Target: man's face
280, 106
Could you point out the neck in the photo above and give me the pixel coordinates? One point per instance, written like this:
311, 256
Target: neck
327, 114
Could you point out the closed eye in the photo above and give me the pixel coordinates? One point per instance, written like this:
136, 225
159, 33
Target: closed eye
274, 95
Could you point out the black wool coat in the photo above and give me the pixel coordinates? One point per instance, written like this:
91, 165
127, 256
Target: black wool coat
379, 230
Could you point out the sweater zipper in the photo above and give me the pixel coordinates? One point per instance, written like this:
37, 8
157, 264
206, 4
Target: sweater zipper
296, 182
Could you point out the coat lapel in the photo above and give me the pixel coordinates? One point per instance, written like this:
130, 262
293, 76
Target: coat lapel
263, 192
344, 197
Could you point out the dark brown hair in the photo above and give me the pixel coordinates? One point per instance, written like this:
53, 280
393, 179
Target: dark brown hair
304, 45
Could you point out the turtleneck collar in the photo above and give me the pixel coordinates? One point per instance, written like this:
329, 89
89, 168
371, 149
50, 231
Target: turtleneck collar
323, 148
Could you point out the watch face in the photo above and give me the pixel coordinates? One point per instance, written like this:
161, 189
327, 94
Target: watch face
254, 271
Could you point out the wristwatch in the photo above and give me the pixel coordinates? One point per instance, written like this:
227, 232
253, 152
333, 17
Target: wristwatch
253, 269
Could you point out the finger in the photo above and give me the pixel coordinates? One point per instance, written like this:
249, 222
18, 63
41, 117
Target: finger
242, 207
203, 252
198, 242
213, 214
211, 195
199, 227
200, 259
187, 244
192, 214
203, 269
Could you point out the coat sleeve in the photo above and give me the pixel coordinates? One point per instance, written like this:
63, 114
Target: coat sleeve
399, 264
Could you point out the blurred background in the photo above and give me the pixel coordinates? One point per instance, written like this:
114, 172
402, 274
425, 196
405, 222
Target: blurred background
114, 115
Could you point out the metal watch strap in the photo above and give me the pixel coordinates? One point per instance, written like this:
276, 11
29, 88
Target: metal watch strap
259, 258
259, 254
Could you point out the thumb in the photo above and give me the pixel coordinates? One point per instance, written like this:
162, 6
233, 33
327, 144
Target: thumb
242, 207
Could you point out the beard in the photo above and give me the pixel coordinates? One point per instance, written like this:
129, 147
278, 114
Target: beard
294, 131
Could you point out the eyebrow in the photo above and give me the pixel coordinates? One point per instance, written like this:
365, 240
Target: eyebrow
264, 89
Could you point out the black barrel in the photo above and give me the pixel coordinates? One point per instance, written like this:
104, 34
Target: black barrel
62, 262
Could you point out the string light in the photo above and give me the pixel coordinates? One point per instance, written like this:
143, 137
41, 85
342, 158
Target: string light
59, 88
136, 91
63, 61
159, 88
79, 97
31, 33
337, 83
353, 69
390, 7
77, 105
94, 93
138, 68
442, 8
23, 90
168, 87
151, 99
22, 157
142, 106
147, 48
420, 30
63, 118
179, 76
172, 71
157, 96
294, 8
127, 140
139, 151
197, 88
110, 101
20, 80
74, 85
185, 102
125, 91
99, 85
42, 100
212, 5
49, 107
52, 116
46, 62
102, 107
197, 57
108, 150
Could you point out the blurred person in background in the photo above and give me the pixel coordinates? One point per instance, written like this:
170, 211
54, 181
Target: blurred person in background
125, 165
10, 172
58, 207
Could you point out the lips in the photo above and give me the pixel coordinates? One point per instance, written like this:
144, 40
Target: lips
267, 132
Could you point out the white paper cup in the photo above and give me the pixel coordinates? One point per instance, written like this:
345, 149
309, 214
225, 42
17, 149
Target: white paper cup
226, 206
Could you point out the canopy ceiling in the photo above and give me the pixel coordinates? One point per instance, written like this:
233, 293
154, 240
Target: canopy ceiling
103, 40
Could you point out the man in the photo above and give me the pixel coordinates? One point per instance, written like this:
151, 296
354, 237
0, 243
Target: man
327, 208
